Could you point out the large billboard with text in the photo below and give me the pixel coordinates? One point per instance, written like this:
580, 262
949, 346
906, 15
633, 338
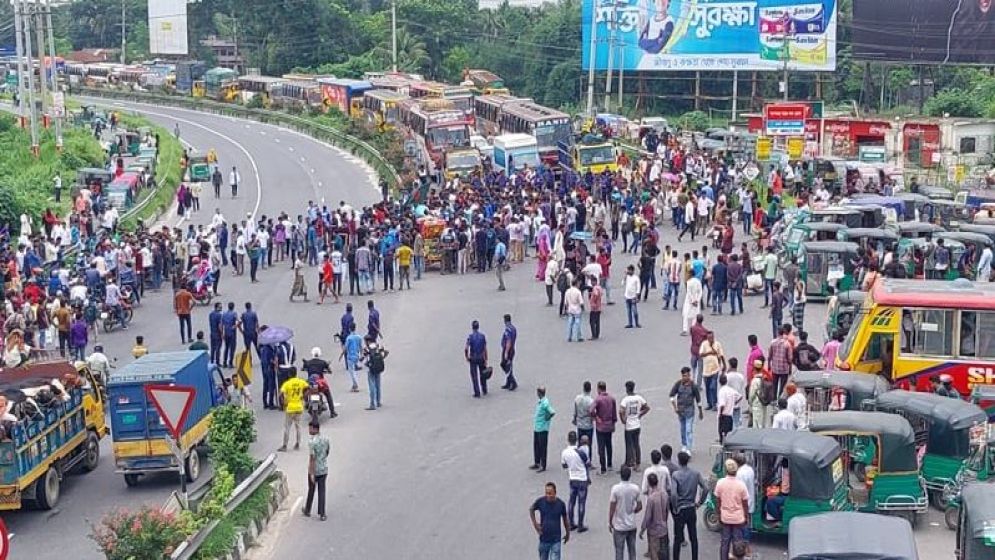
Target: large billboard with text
168, 26
711, 34
926, 31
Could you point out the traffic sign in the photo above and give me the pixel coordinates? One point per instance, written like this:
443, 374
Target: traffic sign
796, 147
764, 148
173, 403
4, 541
785, 119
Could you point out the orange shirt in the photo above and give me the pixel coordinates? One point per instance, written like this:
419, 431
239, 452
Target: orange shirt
183, 302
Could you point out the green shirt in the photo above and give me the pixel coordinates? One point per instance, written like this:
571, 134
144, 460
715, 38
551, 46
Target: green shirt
199, 345
319, 448
544, 413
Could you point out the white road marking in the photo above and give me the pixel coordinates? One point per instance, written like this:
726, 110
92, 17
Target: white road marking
263, 132
291, 148
277, 140
302, 159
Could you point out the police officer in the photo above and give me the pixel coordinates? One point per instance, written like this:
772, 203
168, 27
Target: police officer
249, 325
508, 353
229, 328
217, 333
475, 353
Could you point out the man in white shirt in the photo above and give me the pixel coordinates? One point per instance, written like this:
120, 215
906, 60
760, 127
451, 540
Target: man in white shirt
234, 179
737, 381
263, 237
728, 400
660, 470
218, 219
631, 410
631, 291
797, 404
747, 476
784, 419
577, 461
240, 251
622, 510
574, 300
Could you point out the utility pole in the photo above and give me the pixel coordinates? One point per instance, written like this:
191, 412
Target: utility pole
54, 77
26, 28
124, 34
786, 43
621, 71
235, 40
611, 51
19, 40
39, 19
393, 35
735, 93
592, 59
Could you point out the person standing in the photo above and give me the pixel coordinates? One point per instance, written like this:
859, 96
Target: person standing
631, 292
544, 413
233, 180
475, 352
735, 279
672, 275
352, 351
737, 382
683, 397
582, 419
728, 400
777, 303
317, 469
780, 357
229, 329
552, 511
597, 303
292, 398
698, 336
183, 305
62, 317
693, 294
577, 461
713, 363
376, 357
605, 413
373, 328
404, 255
630, 414
501, 255
622, 510
732, 503
770, 274
687, 492
508, 339
655, 519
248, 323
575, 309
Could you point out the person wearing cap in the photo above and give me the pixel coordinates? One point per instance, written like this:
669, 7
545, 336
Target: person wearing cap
316, 367
475, 353
732, 502
946, 387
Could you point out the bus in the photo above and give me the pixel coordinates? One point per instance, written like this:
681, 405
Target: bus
252, 85
435, 130
485, 82
394, 82
461, 96
297, 94
487, 110
515, 152
344, 94
549, 126
911, 330
380, 108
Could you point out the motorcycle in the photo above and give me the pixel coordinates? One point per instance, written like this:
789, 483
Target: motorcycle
128, 294
316, 405
203, 295
110, 317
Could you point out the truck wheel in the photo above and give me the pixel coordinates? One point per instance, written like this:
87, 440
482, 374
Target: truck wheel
712, 522
131, 479
47, 489
193, 466
91, 452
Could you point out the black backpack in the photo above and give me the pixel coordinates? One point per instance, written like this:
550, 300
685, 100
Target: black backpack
376, 361
562, 282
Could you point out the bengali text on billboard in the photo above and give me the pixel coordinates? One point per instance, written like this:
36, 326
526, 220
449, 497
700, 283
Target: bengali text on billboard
710, 34
168, 27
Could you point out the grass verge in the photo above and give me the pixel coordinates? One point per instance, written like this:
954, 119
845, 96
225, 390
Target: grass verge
222, 538
169, 172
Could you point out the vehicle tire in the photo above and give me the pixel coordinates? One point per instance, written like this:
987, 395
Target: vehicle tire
207, 300
91, 452
47, 489
131, 479
192, 466
712, 522
951, 516
911, 517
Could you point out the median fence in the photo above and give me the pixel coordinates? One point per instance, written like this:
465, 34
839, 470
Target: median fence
321, 132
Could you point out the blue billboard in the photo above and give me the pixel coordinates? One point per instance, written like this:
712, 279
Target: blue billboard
710, 34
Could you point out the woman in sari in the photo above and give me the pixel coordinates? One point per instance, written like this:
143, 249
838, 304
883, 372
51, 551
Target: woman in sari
542, 250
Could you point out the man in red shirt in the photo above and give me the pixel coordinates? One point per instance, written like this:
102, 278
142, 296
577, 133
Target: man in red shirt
698, 335
605, 413
327, 276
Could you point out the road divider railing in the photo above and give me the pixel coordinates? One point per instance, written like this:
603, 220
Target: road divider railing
333, 136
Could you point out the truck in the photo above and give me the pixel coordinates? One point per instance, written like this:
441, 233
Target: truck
37, 452
139, 434
462, 162
512, 152
592, 153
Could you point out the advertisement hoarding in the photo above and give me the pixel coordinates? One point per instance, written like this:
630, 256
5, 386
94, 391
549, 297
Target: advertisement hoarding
168, 26
927, 31
785, 119
710, 34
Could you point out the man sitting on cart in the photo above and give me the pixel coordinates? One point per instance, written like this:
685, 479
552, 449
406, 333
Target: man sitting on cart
777, 492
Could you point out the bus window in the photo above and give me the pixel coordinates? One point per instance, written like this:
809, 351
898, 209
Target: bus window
928, 332
986, 335
968, 334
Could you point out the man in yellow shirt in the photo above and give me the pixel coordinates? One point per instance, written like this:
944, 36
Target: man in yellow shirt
139, 349
404, 254
292, 396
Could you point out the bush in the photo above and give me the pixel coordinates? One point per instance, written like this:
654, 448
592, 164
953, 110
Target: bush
147, 534
694, 120
954, 102
232, 432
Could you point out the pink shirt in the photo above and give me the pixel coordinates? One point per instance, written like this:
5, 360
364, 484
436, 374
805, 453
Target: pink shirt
829, 353
596, 297
732, 494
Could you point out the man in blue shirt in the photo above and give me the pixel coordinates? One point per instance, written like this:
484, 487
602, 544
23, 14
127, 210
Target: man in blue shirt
475, 353
508, 353
373, 325
501, 254
352, 351
267, 361
249, 325
552, 511
217, 334
348, 323
229, 328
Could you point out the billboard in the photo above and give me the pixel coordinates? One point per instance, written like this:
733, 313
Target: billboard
785, 119
710, 34
168, 26
927, 31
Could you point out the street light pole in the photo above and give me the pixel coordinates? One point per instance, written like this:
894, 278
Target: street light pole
26, 28
53, 76
124, 34
19, 41
393, 35
592, 58
39, 20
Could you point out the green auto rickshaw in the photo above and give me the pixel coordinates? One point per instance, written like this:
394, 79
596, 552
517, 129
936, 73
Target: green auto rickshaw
199, 170
947, 213
880, 451
947, 432
129, 143
850, 217
842, 316
913, 230
851, 535
833, 390
800, 233
979, 467
914, 204
977, 241
878, 239
815, 468
976, 523
983, 229
827, 263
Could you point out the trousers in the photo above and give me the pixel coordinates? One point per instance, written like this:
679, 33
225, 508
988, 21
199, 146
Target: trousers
317, 484
687, 517
605, 450
633, 454
540, 448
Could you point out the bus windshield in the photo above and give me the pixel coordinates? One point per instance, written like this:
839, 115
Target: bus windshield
390, 114
464, 160
521, 159
549, 136
448, 136
596, 155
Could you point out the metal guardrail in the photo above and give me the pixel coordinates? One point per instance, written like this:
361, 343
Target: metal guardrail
189, 547
319, 131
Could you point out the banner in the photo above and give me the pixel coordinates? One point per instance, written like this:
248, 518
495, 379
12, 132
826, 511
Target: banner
926, 31
785, 119
710, 34
168, 26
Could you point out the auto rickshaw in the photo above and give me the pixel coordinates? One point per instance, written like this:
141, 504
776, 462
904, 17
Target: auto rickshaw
88, 176
947, 213
979, 467
976, 523
816, 471
198, 168
946, 430
915, 230
841, 317
800, 233
870, 238
827, 263
983, 229
914, 204
893, 209
983, 395
880, 451
850, 217
833, 390
967, 239
129, 143
847, 535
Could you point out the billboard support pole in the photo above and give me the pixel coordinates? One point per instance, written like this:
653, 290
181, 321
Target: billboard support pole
611, 51
591, 59
124, 35
735, 93
21, 72
621, 71
54, 77
28, 49
787, 58
39, 19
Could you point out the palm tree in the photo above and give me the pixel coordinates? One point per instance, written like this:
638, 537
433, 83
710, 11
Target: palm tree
412, 55
493, 23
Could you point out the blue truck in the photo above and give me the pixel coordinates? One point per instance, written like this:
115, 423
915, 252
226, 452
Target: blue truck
139, 433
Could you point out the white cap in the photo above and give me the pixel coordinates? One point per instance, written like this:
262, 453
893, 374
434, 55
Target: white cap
316, 352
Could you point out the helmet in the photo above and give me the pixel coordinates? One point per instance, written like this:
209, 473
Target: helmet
945, 378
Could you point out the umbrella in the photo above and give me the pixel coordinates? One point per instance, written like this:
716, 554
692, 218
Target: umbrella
670, 177
581, 236
275, 335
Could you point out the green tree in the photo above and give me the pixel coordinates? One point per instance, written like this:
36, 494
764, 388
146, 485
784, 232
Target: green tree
955, 103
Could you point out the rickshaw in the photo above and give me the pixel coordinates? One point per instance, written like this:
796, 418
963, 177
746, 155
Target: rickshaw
976, 524
946, 213
849, 535
914, 230
87, 176
966, 239
871, 215
842, 316
850, 217
979, 467
198, 168
870, 238
936, 192
881, 453
808, 231
839, 390
914, 204
944, 431
130, 141
815, 466
893, 209
827, 263
983, 395
984, 229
